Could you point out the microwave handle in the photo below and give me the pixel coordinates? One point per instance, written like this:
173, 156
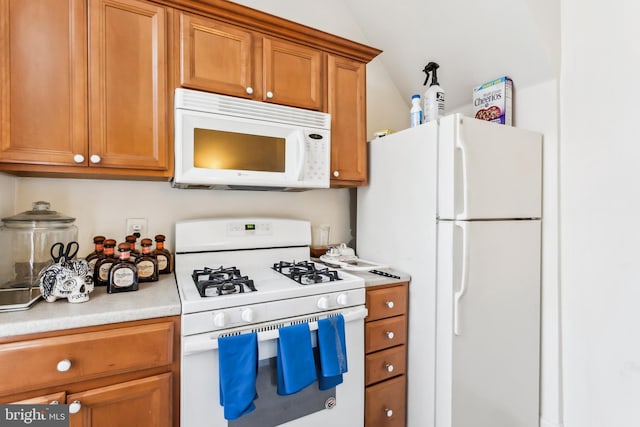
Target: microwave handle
301, 156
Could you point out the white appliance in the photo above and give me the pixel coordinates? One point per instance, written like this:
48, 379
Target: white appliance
225, 303
222, 142
457, 204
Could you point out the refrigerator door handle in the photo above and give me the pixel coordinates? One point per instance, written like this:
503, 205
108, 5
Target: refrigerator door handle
465, 193
464, 278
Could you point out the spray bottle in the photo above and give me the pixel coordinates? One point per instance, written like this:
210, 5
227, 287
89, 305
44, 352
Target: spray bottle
433, 96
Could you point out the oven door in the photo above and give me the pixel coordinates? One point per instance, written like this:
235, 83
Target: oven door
311, 407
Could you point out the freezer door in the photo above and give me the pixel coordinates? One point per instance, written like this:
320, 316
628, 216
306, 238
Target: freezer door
487, 170
488, 324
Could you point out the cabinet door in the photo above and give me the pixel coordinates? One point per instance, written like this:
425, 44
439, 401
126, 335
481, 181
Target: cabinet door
216, 57
385, 404
142, 403
293, 74
43, 85
346, 95
128, 81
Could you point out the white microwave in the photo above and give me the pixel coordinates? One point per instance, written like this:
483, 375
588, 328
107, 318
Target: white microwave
222, 142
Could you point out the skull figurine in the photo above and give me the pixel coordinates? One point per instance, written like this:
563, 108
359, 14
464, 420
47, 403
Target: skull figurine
66, 279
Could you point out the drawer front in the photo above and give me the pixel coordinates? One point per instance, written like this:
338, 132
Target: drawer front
386, 302
385, 364
385, 333
36, 363
385, 404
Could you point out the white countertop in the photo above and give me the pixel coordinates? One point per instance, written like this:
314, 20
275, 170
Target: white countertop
151, 300
371, 279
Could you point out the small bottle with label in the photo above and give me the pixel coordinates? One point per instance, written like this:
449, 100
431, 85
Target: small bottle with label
415, 113
147, 263
162, 255
103, 265
131, 240
93, 257
123, 275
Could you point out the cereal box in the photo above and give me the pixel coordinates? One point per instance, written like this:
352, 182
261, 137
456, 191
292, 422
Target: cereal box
492, 101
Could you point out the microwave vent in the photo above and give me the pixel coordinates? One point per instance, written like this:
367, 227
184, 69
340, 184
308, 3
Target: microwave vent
239, 107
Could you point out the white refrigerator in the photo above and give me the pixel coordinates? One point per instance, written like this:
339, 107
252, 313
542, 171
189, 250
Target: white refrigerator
457, 205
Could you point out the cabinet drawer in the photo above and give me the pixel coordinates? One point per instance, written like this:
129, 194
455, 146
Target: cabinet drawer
385, 333
385, 404
386, 302
385, 364
34, 363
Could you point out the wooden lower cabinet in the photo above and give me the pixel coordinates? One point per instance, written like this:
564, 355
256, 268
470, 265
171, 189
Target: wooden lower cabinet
125, 374
385, 403
386, 356
135, 403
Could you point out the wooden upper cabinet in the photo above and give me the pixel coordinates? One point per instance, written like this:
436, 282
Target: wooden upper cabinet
230, 60
43, 86
128, 85
215, 57
293, 74
347, 106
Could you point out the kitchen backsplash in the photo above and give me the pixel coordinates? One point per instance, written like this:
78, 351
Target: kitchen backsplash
102, 206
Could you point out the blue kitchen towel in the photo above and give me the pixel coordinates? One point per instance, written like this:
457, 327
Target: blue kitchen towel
295, 364
332, 352
238, 367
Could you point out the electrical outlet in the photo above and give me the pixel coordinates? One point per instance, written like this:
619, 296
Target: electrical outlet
137, 227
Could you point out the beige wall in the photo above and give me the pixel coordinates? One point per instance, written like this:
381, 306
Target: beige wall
7, 195
102, 207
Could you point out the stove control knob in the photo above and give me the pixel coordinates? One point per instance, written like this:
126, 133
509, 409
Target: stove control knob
220, 319
323, 303
342, 299
247, 315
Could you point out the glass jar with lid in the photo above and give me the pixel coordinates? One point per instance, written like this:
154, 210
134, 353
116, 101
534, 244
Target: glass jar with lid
26, 240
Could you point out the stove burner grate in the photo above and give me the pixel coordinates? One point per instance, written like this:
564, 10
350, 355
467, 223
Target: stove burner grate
221, 281
305, 272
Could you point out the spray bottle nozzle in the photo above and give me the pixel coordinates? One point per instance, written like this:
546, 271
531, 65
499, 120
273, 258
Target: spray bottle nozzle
431, 67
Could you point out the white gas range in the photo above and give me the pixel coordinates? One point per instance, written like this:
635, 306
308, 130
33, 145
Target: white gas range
238, 275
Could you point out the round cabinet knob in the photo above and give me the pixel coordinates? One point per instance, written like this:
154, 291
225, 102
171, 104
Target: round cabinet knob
75, 407
389, 367
95, 158
336, 174
342, 299
389, 304
64, 365
388, 412
390, 335
269, 95
249, 90
220, 320
247, 315
323, 303
78, 158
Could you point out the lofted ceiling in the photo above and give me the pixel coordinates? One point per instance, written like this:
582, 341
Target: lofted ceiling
472, 41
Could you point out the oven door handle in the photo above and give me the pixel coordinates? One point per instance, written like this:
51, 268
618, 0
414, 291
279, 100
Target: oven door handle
208, 342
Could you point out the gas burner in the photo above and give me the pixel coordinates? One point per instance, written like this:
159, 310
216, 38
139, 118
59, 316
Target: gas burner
305, 272
221, 281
